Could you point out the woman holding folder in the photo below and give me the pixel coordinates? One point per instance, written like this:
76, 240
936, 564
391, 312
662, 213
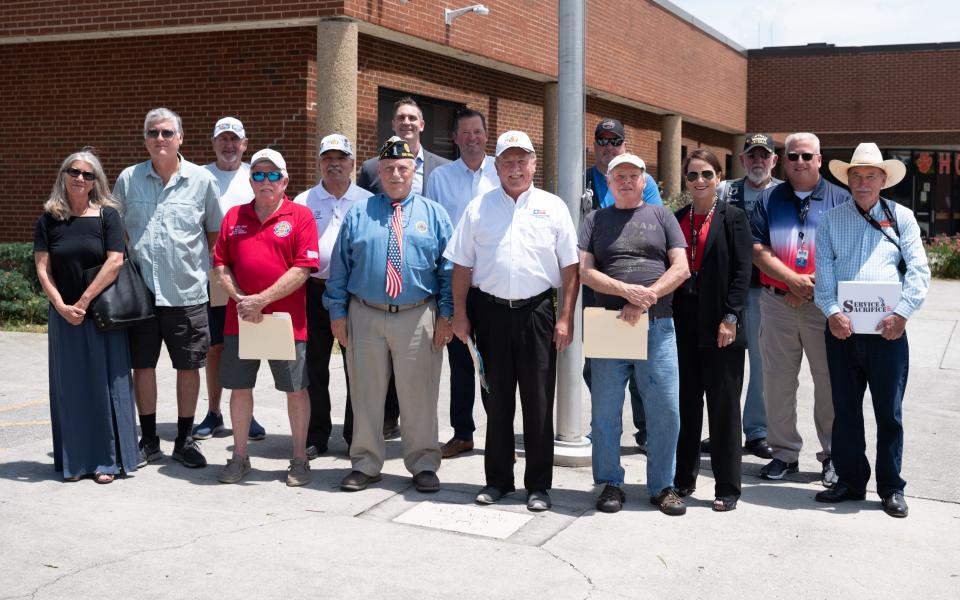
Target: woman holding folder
707, 310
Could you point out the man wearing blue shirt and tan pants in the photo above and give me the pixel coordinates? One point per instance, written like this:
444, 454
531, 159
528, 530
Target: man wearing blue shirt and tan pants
869, 239
390, 305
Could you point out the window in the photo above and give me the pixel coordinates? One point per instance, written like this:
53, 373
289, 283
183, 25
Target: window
437, 115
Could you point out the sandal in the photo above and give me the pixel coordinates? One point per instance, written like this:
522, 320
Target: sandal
103, 478
725, 503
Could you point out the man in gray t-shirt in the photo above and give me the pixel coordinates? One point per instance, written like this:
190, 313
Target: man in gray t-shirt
632, 255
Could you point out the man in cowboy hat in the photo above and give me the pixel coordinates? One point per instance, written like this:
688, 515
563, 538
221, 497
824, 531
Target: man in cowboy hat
869, 239
391, 306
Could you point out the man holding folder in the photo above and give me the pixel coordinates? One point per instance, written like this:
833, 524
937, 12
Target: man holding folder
265, 252
869, 240
632, 255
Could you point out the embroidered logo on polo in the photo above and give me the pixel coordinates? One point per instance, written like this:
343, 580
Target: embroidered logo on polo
421, 227
282, 229
238, 230
539, 212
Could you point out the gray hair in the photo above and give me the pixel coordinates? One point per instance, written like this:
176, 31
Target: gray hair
161, 114
799, 137
100, 195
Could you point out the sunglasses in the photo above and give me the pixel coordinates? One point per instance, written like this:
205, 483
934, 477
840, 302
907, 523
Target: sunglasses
87, 175
616, 143
271, 175
694, 175
806, 156
166, 133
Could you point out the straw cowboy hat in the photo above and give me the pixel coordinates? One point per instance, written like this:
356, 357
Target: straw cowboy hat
868, 154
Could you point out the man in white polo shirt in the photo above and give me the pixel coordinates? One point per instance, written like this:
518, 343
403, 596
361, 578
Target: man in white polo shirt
233, 179
516, 243
329, 201
454, 185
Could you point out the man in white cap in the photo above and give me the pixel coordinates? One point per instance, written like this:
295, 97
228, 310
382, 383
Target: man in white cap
329, 202
264, 254
233, 177
633, 255
876, 240
516, 243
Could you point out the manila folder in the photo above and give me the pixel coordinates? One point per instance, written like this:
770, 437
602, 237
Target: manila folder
270, 339
607, 336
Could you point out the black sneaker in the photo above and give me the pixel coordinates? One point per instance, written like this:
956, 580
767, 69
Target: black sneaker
778, 469
611, 499
189, 454
149, 451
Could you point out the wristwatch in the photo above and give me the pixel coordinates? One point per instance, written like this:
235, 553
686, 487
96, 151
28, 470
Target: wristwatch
730, 318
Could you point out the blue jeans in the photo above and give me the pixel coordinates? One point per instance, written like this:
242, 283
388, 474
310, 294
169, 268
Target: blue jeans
659, 385
754, 411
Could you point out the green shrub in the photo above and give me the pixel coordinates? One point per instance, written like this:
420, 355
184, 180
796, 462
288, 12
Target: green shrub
21, 299
677, 200
943, 253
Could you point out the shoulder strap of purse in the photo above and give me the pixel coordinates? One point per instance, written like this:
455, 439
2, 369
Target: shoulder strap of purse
103, 237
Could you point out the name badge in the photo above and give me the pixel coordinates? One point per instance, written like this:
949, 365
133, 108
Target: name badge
802, 256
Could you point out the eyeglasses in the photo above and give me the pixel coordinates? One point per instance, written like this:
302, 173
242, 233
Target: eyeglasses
166, 133
758, 155
87, 175
271, 175
794, 156
615, 142
694, 175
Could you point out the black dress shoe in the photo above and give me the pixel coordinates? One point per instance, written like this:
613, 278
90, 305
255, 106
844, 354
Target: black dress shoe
426, 482
357, 480
894, 505
759, 447
611, 499
839, 493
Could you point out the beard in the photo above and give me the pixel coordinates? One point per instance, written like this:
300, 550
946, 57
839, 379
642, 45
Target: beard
758, 176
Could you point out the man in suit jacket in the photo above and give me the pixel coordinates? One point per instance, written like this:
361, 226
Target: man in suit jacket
408, 125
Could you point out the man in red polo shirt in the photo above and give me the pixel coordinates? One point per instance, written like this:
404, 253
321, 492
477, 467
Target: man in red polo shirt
265, 252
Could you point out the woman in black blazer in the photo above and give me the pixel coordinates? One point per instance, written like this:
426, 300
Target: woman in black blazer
707, 311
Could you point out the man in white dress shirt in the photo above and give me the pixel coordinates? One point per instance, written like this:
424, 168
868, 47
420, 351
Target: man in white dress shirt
516, 243
329, 200
454, 185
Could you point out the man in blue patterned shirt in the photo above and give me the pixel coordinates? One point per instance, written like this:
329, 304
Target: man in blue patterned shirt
869, 239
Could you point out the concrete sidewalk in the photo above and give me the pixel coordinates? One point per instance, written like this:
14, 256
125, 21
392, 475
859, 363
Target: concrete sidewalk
171, 532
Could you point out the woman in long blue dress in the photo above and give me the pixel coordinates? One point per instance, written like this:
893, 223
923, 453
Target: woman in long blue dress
91, 397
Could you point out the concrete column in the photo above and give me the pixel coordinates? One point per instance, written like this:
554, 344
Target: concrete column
670, 142
548, 164
737, 171
337, 43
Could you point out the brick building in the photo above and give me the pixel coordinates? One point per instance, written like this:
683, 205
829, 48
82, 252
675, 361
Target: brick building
296, 70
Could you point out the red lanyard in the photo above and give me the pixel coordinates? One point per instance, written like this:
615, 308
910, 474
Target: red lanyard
695, 233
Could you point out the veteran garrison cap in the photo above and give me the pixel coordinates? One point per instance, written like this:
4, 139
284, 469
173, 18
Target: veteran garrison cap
396, 148
758, 140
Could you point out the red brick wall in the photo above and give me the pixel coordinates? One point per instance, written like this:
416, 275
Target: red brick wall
74, 94
851, 91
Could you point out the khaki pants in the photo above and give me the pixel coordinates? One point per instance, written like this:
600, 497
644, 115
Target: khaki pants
786, 334
378, 340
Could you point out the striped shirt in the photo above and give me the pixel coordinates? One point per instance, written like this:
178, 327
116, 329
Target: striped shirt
850, 249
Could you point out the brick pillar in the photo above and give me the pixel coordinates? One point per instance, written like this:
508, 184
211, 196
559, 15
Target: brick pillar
337, 43
737, 171
548, 165
670, 141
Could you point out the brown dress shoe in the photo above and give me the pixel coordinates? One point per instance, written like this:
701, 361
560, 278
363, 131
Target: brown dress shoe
455, 447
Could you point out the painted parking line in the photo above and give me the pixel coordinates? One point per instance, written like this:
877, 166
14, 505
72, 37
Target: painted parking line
25, 423
11, 407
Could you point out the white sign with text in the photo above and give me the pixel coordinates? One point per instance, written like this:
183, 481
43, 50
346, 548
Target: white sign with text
867, 302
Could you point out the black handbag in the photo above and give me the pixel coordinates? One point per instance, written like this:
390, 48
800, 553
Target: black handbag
125, 302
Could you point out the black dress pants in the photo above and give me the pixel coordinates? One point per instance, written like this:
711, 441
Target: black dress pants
517, 348
718, 374
319, 347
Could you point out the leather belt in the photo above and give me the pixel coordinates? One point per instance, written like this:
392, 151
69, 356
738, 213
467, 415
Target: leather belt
776, 290
515, 303
393, 308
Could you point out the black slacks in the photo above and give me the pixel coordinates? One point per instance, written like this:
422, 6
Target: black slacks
319, 347
516, 345
718, 374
